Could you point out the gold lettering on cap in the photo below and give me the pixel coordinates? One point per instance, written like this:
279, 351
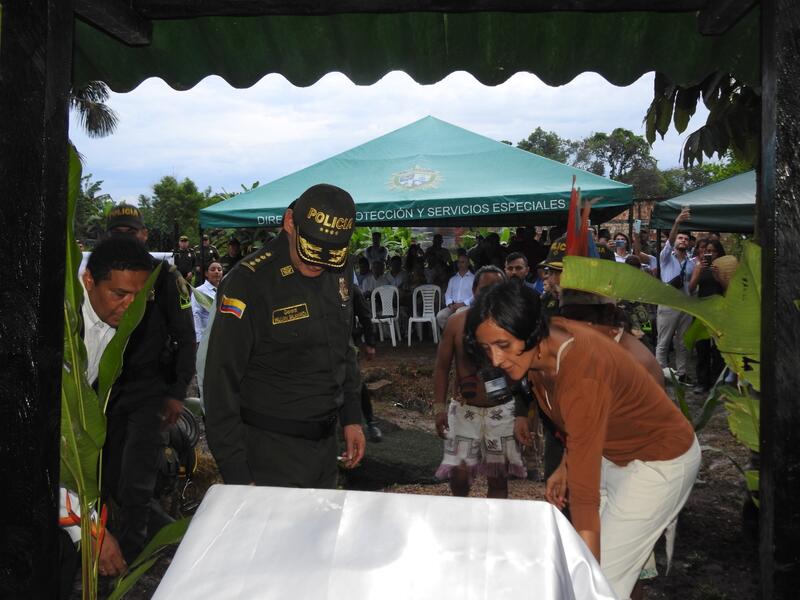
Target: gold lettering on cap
329, 222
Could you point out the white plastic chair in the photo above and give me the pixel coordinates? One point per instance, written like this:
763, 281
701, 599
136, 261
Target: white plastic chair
426, 303
389, 313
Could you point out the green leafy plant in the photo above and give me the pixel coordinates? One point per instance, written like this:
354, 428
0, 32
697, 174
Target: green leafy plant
170, 534
83, 421
733, 117
732, 320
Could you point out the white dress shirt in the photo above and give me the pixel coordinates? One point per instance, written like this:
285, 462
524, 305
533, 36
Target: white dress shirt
459, 289
671, 266
395, 280
199, 313
96, 335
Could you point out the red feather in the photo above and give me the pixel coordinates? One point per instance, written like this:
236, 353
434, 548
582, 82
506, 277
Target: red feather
573, 239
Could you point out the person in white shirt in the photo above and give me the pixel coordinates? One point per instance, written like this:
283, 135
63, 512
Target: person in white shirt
459, 292
675, 269
374, 278
116, 271
396, 275
376, 251
621, 247
209, 288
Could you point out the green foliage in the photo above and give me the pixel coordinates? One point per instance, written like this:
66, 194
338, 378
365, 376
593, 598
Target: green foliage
733, 123
170, 534
548, 144
679, 181
396, 239
83, 421
615, 154
733, 320
95, 116
174, 202
91, 209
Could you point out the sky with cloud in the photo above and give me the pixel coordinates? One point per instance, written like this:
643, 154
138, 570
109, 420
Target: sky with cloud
221, 137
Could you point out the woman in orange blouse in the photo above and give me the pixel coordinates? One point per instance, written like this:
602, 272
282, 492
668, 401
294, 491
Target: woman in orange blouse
631, 457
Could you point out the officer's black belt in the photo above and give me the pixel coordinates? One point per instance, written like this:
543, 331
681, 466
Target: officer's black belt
307, 430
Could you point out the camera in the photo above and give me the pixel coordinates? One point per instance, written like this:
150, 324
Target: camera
496, 385
707, 258
620, 243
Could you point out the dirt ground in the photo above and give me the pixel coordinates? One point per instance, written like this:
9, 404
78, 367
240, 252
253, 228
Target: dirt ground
716, 549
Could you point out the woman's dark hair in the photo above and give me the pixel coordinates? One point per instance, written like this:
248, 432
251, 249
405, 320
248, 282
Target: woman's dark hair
118, 253
514, 307
717, 246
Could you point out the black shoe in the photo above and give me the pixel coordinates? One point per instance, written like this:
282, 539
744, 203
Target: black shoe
373, 433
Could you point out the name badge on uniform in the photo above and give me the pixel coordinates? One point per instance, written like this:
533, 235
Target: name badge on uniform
281, 316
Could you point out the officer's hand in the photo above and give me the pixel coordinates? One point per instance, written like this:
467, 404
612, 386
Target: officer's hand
354, 442
111, 562
172, 410
370, 352
441, 424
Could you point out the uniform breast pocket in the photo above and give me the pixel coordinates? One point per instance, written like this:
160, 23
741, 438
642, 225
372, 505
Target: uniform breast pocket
295, 331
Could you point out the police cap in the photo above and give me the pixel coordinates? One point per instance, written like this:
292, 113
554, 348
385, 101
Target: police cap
324, 217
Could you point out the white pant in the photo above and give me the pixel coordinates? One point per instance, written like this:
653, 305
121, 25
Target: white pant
672, 325
637, 502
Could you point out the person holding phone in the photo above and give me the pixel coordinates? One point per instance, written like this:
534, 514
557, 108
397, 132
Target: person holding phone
706, 280
675, 269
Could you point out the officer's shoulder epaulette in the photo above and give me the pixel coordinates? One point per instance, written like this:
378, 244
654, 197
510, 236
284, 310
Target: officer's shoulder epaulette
257, 259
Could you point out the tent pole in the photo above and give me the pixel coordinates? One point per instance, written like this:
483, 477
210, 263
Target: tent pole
779, 232
35, 62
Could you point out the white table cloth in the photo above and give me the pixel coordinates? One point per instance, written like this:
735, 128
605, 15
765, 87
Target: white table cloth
262, 542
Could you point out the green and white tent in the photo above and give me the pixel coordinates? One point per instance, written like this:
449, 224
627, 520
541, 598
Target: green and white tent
435, 174
728, 205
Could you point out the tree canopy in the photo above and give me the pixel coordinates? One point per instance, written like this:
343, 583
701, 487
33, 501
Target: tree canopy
174, 210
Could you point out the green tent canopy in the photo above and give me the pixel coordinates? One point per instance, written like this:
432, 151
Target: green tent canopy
190, 41
728, 205
432, 173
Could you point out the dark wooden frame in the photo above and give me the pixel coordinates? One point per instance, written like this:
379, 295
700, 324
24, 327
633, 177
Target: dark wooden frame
35, 64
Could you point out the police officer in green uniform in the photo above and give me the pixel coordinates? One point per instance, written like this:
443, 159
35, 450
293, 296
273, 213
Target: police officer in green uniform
184, 258
233, 256
204, 255
281, 368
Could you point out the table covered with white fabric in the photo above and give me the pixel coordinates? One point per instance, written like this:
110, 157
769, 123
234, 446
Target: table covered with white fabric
283, 543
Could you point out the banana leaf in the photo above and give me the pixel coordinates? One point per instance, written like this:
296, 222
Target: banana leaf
170, 534
83, 421
696, 332
744, 414
733, 320
203, 300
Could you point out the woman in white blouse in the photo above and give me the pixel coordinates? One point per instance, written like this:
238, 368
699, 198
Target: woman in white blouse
208, 288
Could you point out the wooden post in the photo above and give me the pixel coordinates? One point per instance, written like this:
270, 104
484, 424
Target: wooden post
35, 60
779, 231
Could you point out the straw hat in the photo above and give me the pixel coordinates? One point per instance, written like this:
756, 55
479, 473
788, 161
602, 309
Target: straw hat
726, 267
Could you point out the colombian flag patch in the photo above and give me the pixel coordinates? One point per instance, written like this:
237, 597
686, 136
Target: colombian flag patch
232, 306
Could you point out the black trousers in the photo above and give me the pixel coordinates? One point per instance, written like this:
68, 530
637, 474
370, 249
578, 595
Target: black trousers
130, 465
709, 363
284, 461
366, 404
